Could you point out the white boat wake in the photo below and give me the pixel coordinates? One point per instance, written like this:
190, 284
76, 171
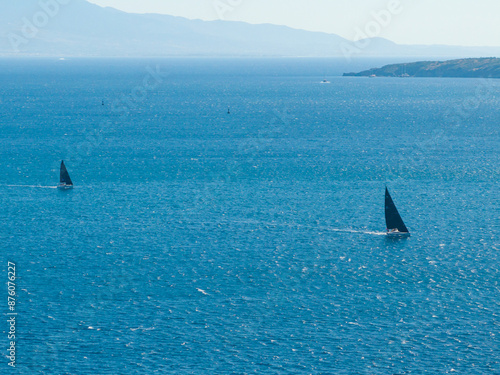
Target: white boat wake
358, 231
33, 186
323, 228
346, 230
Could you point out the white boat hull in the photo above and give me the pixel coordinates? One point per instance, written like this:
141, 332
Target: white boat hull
398, 234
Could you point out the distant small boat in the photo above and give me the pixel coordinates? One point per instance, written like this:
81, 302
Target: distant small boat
325, 81
395, 225
64, 179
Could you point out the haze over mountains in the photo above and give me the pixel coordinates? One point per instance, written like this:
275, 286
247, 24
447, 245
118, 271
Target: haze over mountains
76, 28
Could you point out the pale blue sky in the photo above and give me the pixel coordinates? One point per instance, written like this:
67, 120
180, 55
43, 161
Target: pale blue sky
454, 22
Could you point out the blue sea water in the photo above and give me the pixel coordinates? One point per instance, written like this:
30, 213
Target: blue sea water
201, 242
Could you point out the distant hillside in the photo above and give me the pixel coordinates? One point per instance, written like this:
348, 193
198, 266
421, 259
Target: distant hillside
81, 29
463, 68
78, 28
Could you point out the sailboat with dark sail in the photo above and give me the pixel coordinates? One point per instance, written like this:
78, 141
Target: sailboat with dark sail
395, 225
64, 179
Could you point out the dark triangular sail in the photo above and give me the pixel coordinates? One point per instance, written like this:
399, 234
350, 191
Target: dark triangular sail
64, 176
392, 217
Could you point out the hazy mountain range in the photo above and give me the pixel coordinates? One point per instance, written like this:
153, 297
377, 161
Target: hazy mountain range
78, 28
